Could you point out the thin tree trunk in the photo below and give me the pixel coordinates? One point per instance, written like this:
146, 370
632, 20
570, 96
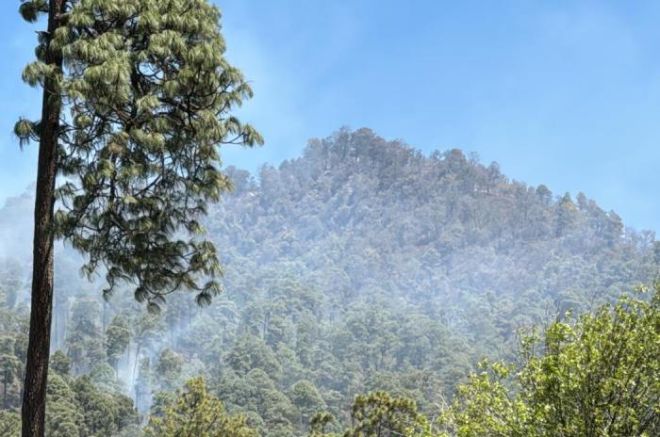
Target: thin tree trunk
4, 388
34, 392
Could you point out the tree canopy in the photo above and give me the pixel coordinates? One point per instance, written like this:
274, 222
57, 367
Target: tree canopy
147, 95
596, 376
194, 412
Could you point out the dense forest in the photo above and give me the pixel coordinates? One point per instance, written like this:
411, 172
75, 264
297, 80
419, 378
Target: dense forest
364, 266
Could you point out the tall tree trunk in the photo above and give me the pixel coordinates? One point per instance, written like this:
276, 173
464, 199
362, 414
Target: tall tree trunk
34, 392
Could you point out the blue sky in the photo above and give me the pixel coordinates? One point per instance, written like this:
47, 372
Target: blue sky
565, 93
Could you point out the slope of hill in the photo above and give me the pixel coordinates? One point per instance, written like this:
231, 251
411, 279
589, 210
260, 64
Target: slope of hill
358, 217
361, 265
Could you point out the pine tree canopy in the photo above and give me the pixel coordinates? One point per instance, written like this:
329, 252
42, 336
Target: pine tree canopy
147, 97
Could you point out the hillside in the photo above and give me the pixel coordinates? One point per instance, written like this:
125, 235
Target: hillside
364, 264
359, 219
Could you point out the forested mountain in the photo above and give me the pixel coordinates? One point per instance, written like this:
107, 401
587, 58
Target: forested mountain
362, 265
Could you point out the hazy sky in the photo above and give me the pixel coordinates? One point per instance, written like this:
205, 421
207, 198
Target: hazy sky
565, 93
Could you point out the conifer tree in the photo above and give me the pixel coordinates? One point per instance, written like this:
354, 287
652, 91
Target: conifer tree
137, 97
195, 412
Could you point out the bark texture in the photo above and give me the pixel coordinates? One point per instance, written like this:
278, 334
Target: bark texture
36, 374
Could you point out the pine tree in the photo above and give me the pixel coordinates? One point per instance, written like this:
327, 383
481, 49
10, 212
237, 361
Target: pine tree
137, 97
195, 412
381, 415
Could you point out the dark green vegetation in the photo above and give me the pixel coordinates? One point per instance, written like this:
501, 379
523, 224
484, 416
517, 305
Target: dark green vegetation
137, 97
361, 267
